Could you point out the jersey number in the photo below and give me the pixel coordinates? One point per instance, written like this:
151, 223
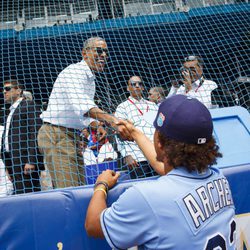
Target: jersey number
217, 242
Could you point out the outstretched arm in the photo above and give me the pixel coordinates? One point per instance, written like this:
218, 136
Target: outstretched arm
145, 145
101, 115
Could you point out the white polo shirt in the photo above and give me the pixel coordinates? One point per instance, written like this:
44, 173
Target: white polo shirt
201, 93
71, 97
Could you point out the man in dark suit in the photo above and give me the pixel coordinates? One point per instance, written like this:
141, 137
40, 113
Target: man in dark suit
19, 144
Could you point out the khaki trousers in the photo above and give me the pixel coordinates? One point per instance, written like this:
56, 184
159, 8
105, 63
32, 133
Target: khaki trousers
59, 146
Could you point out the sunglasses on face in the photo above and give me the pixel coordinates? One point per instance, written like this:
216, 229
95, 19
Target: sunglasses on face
8, 88
100, 50
190, 69
135, 83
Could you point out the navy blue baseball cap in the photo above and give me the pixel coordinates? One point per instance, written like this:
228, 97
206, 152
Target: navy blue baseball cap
184, 119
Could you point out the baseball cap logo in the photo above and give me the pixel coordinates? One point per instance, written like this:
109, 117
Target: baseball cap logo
160, 120
201, 140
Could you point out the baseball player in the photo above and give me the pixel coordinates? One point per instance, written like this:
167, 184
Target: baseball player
189, 207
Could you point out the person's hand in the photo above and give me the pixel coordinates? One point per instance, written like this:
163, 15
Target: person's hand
93, 147
123, 131
130, 128
101, 134
175, 83
28, 168
108, 176
130, 162
128, 124
187, 79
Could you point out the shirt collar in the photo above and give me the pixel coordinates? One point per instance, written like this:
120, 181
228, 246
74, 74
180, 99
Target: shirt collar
182, 171
89, 72
198, 82
135, 100
16, 103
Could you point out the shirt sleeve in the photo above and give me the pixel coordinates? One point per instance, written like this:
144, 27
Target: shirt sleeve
172, 91
213, 85
129, 222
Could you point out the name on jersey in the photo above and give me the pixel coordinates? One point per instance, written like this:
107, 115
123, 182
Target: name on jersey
208, 200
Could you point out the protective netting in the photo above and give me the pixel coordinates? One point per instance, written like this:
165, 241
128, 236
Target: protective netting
145, 38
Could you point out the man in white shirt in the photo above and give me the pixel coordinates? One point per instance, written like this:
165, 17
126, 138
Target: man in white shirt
87, 153
71, 107
194, 83
135, 109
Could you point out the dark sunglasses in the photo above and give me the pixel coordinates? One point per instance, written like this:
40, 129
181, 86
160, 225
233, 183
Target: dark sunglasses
133, 83
100, 50
8, 88
190, 69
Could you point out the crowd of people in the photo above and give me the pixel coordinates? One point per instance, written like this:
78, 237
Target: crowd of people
73, 131
95, 145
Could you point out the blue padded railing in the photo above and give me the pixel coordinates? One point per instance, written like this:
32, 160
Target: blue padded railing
55, 219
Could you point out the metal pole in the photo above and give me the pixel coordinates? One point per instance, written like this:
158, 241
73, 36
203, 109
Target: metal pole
151, 6
124, 10
23, 14
71, 11
46, 15
112, 8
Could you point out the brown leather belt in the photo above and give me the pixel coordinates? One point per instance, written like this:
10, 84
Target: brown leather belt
72, 130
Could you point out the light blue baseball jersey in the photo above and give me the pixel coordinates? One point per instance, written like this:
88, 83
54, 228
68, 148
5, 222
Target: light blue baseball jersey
180, 210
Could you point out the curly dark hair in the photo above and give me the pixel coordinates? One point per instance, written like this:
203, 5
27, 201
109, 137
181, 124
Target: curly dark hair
194, 157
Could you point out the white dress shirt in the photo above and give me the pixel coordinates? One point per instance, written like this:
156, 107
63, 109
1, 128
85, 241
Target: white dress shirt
6, 186
89, 157
201, 93
71, 97
7, 126
134, 111
106, 151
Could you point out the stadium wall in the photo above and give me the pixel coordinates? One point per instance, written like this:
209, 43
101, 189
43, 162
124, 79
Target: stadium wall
55, 219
